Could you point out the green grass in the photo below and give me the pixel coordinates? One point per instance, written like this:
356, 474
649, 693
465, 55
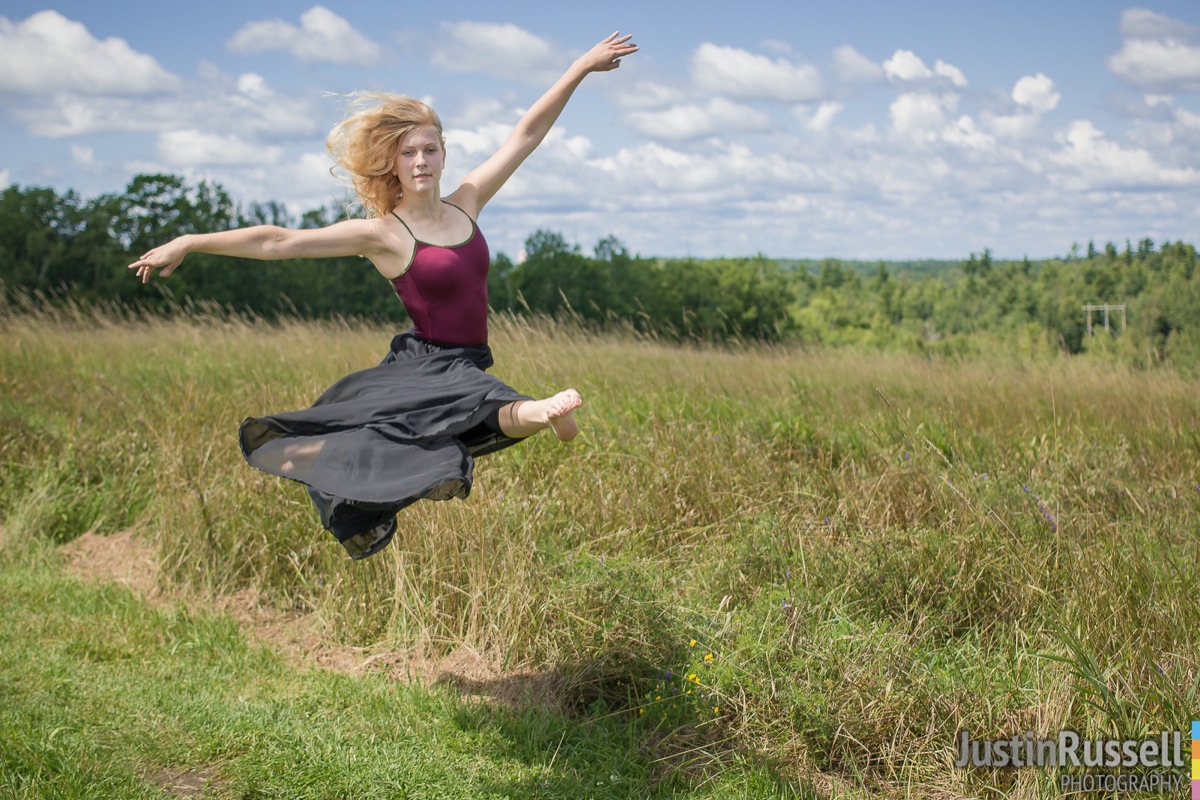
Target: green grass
876, 550
109, 692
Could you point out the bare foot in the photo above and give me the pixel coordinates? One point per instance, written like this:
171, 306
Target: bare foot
560, 414
524, 418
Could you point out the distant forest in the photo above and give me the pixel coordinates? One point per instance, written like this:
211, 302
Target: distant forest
58, 248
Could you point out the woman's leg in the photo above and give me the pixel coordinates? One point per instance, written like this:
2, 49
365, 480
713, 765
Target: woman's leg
526, 417
301, 458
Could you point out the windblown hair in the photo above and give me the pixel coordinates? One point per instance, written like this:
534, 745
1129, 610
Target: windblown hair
366, 142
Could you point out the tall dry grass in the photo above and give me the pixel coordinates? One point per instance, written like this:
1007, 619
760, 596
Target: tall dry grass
873, 551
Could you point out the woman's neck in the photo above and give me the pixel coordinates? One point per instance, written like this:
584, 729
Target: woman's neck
425, 205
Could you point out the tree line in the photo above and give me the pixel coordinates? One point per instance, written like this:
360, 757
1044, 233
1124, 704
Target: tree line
55, 247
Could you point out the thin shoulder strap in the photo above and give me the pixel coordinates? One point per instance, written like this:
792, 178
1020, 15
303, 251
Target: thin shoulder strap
405, 224
465, 214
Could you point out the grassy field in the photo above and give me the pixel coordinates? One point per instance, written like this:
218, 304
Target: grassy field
759, 572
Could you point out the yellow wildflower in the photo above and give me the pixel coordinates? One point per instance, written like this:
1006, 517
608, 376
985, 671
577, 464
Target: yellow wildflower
692, 643
708, 658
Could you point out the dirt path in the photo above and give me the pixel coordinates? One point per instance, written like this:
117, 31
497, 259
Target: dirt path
124, 558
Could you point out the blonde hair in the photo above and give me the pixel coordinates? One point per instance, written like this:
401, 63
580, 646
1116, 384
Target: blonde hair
365, 143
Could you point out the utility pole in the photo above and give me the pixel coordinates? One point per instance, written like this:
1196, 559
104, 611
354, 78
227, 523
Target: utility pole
1106, 308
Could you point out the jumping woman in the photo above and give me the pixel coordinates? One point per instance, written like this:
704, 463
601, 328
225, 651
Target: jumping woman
383, 438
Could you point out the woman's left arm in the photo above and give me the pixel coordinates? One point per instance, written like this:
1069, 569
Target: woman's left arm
482, 183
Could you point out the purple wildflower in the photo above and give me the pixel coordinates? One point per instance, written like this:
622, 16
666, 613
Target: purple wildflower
1049, 517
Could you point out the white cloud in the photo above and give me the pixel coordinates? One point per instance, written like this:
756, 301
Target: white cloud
300, 181
948, 190
1142, 23
919, 115
1020, 125
1187, 119
907, 66
950, 72
1156, 54
925, 118
739, 73
965, 133
504, 50
1032, 96
254, 86
193, 148
1096, 162
321, 36
1152, 107
648, 94
49, 53
853, 67
654, 175
311, 173
691, 121
247, 106
822, 118
5, 177
78, 115
1165, 65
1036, 92
478, 142
481, 111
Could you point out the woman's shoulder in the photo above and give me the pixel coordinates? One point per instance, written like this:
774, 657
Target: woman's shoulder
464, 198
392, 245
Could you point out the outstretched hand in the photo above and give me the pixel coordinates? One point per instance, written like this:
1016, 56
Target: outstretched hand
608, 53
165, 257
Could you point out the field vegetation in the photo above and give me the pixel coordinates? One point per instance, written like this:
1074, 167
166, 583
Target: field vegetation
764, 569
60, 248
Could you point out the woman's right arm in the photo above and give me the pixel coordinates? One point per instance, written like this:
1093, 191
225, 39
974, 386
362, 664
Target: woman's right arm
352, 237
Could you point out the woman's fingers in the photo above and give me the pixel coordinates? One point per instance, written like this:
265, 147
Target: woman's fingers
145, 267
612, 49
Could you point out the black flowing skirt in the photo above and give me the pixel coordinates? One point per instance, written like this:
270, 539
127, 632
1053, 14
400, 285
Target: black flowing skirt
383, 438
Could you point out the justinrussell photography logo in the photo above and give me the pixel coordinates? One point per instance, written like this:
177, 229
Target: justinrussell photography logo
1195, 759
1154, 762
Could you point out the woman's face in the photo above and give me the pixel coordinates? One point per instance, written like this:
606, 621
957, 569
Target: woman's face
420, 160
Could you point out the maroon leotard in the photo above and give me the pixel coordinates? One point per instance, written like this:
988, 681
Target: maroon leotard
444, 288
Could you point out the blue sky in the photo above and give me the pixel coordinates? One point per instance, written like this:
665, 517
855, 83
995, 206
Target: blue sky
853, 130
